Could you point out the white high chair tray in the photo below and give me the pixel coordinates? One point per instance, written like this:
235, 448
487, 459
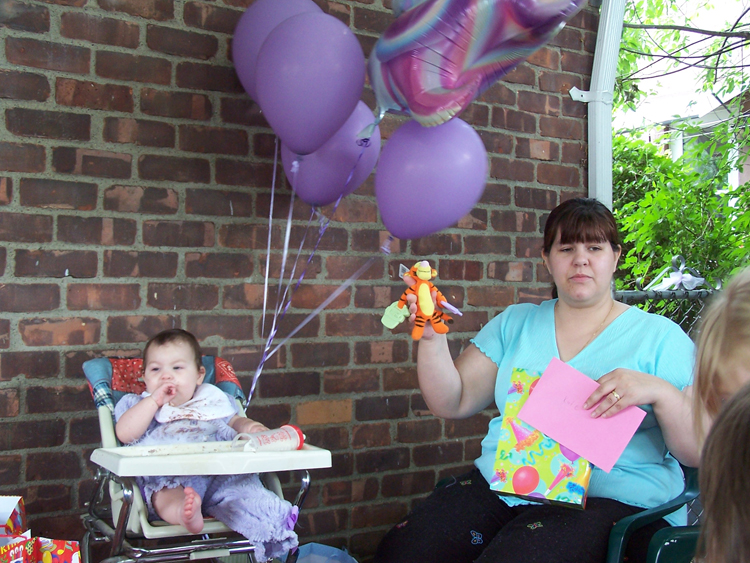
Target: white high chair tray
213, 458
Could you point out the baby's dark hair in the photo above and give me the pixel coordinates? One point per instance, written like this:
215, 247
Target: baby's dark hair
175, 335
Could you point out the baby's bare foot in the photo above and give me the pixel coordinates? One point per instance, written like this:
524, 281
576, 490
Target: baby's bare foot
190, 515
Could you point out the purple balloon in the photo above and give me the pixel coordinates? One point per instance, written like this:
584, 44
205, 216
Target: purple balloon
253, 29
322, 176
310, 76
429, 177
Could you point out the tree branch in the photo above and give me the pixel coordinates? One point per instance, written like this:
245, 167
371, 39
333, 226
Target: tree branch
742, 34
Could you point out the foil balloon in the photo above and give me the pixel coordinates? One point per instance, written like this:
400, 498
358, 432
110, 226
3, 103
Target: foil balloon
439, 55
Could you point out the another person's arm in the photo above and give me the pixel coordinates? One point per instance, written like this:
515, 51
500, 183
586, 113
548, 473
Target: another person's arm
246, 425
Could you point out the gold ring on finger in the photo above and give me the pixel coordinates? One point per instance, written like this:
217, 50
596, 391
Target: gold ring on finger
615, 395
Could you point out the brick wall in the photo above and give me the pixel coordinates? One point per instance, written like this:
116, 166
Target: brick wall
135, 183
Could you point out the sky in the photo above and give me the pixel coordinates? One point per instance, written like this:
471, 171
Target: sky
677, 93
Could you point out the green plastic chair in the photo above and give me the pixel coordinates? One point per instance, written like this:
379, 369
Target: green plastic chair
668, 545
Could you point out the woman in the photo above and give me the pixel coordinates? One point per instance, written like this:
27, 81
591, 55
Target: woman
637, 358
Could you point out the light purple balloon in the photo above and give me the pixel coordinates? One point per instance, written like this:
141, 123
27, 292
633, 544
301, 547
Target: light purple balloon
429, 177
310, 76
322, 176
252, 30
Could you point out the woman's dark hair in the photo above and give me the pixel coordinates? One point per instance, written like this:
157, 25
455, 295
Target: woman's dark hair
175, 335
581, 220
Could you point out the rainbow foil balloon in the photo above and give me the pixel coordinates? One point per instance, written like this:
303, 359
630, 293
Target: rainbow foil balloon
439, 55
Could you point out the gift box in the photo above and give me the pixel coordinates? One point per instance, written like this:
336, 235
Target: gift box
24, 549
12, 515
531, 465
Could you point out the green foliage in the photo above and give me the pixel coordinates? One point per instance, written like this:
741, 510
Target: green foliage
686, 207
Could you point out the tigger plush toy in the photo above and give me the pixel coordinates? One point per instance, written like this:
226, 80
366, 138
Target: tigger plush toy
418, 279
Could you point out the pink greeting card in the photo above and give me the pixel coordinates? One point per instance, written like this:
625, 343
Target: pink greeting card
556, 408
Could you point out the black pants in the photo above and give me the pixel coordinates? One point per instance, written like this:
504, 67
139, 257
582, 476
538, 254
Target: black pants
466, 522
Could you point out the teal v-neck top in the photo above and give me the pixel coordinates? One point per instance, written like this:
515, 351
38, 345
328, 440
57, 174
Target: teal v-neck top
523, 336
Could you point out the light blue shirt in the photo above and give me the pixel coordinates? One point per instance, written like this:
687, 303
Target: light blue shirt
523, 336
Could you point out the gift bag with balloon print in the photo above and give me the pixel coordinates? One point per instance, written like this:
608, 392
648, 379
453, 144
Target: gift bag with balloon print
531, 465
25, 549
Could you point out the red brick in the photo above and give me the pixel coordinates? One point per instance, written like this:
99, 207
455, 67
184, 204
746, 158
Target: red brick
85, 431
173, 296
24, 17
160, 10
197, 76
137, 199
514, 221
375, 21
512, 169
496, 194
559, 82
245, 296
308, 296
10, 404
316, 355
522, 74
397, 379
138, 328
342, 267
56, 263
291, 321
353, 324
49, 466
537, 149
95, 230
58, 194
59, 331
577, 63
345, 492
511, 271
133, 68
546, 57
407, 484
497, 143
10, 469
18, 157
247, 358
535, 198
58, 399
21, 435
210, 17
242, 111
3, 259
138, 132
17, 298
23, 86
498, 94
324, 521
513, 120
47, 55
243, 173
376, 435
176, 104
381, 351
218, 265
476, 115
534, 295
103, 297
381, 408
4, 334
556, 175
438, 454
123, 264
6, 190
458, 270
178, 233
351, 381
568, 38
289, 384
216, 140
560, 128
228, 327
575, 153
490, 296
181, 43
21, 227
534, 102
472, 426
219, 202
244, 236
436, 244
91, 95
174, 169
418, 431
105, 31
88, 162
529, 247
382, 460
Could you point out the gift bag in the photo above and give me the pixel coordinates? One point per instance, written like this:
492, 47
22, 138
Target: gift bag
12, 515
531, 465
320, 553
40, 550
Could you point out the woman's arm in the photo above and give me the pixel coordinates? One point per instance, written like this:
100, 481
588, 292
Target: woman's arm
673, 408
454, 390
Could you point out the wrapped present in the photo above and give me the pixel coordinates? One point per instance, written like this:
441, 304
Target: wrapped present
531, 465
25, 549
12, 515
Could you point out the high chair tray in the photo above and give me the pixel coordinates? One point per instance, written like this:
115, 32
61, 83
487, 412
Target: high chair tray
214, 458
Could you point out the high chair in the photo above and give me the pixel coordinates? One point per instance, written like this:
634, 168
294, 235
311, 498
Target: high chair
122, 520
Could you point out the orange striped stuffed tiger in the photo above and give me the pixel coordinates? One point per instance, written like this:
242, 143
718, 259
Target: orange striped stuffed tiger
420, 285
